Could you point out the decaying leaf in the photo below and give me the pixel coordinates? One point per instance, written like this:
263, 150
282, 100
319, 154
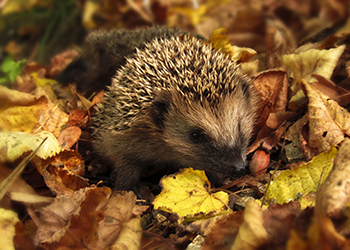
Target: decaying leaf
334, 194
302, 179
62, 172
89, 218
186, 194
327, 120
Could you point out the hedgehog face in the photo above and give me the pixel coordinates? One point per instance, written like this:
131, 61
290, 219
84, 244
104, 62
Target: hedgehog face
203, 136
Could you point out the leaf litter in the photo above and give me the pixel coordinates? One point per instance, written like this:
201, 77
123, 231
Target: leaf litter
303, 117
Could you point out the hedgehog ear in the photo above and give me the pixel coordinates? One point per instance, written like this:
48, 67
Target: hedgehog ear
160, 107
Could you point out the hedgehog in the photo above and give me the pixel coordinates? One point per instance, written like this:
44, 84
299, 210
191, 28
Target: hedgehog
175, 104
104, 52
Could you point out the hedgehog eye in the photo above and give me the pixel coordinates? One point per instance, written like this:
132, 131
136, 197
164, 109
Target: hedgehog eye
197, 136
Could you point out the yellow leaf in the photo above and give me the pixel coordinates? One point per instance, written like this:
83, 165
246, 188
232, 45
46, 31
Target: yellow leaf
221, 41
301, 179
195, 14
313, 61
8, 220
26, 113
42, 81
90, 8
14, 144
187, 195
327, 120
19, 115
16, 6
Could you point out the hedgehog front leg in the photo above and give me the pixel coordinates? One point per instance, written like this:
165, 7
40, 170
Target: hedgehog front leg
128, 177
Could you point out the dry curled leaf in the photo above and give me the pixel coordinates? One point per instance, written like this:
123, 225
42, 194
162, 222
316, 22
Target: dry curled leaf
327, 120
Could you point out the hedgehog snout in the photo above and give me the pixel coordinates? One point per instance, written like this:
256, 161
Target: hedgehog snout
238, 169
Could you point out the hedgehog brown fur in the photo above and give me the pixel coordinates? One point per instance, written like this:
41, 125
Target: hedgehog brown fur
105, 51
177, 103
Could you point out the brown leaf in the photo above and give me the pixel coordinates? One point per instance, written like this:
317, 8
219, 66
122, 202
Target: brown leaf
334, 194
328, 88
224, 232
78, 118
273, 86
327, 120
60, 62
279, 41
69, 136
62, 172
91, 218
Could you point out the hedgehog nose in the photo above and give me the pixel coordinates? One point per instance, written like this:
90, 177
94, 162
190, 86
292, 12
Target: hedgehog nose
239, 169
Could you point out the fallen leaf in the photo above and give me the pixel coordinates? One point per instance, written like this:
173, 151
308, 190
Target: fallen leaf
42, 81
334, 194
28, 113
327, 87
130, 236
69, 136
327, 120
252, 233
303, 65
313, 61
273, 86
60, 62
186, 194
224, 231
89, 218
14, 144
301, 180
78, 118
221, 41
8, 220
62, 172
